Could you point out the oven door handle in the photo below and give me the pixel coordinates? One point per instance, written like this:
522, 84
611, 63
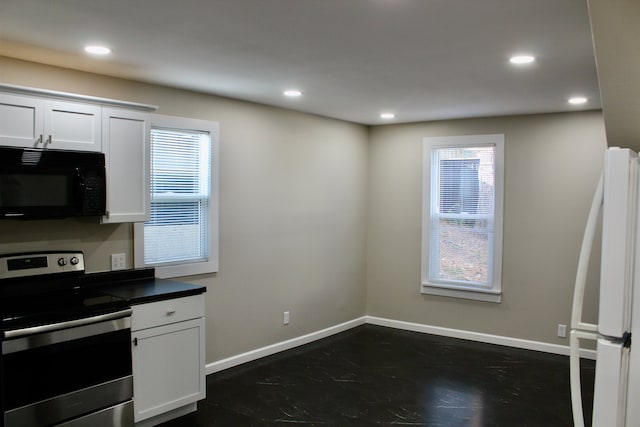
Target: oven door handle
17, 333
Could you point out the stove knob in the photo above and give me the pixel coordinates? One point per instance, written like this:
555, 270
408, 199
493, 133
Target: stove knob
62, 262
74, 260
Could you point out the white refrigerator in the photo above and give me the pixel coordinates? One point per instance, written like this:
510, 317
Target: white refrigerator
616, 401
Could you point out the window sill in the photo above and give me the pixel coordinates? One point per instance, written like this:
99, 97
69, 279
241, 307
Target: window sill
462, 292
171, 271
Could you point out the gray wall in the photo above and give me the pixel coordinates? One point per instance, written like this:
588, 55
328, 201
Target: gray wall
322, 217
552, 165
614, 25
292, 197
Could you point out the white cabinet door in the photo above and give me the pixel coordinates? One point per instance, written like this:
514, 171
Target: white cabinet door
21, 121
32, 122
125, 144
72, 126
168, 367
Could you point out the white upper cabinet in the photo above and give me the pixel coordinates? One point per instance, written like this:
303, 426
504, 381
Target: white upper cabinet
21, 121
45, 119
27, 121
125, 137
72, 126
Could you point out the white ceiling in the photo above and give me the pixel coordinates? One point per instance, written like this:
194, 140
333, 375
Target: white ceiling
353, 59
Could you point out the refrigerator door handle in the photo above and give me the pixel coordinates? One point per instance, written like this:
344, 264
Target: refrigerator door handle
579, 329
583, 262
574, 372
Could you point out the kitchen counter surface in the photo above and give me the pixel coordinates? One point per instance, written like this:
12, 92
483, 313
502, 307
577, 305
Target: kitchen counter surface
139, 286
144, 291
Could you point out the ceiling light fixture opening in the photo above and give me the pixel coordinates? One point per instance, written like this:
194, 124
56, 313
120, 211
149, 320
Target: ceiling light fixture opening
522, 59
578, 100
387, 116
97, 50
292, 93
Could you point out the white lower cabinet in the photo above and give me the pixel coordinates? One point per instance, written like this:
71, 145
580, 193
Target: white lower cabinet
168, 351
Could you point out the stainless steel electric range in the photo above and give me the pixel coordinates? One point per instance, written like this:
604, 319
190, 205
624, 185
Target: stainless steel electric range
66, 346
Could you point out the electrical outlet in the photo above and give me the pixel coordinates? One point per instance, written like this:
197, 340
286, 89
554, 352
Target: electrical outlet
118, 261
285, 318
562, 331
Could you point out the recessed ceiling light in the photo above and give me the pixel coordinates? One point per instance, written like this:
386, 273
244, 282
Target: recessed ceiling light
577, 100
97, 50
387, 116
522, 59
292, 93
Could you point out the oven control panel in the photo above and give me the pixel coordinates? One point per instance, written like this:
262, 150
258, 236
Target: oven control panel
34, 264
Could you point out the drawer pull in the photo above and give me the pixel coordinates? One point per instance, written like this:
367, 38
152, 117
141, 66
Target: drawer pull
171, 312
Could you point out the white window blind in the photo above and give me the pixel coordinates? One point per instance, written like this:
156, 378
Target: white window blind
178, 229
462, 214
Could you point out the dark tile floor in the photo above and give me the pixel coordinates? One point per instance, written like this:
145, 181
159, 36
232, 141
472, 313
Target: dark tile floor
372, 375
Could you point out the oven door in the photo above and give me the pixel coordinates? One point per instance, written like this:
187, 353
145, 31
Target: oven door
69, 374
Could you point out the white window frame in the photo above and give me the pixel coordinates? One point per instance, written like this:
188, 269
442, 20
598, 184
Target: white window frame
188, 268
492, 292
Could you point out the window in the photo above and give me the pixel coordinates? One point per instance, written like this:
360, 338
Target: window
462, 216
181, 236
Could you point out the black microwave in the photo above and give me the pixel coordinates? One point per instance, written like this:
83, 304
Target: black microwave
43, 184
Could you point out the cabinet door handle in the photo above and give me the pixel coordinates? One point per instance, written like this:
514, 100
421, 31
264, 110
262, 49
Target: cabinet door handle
49, 141
135, 341
39, 140
171, 312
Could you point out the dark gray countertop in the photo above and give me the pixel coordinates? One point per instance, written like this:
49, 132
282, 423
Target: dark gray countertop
144, 291
139, 286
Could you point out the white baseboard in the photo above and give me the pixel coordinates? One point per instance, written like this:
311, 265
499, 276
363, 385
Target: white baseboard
480, 337
249, 356
281, 346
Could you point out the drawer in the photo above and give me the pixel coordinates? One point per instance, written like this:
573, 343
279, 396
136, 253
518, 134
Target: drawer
167, 311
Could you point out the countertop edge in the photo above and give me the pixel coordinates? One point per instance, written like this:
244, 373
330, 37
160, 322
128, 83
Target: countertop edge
146, 290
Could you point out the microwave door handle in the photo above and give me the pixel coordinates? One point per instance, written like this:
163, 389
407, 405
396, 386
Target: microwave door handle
78, 188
